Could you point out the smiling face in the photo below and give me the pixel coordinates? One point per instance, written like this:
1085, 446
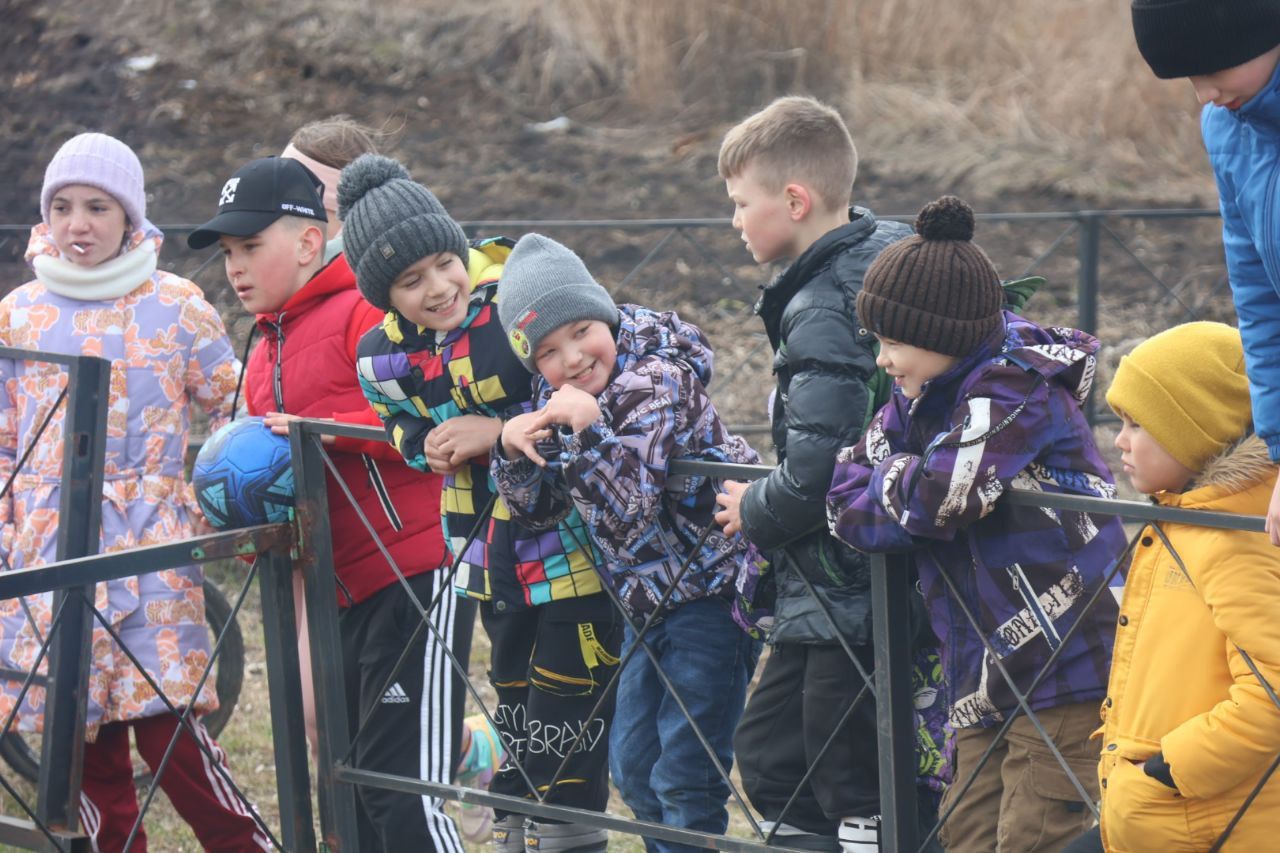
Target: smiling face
765, 218
432, 293
266, 268
1149, 467
910, 366
88, 225
581, 353
1234, 87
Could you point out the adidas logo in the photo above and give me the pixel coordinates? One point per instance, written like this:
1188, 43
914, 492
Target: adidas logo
395, 695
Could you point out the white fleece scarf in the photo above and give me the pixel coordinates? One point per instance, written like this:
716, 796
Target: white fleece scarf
105, 282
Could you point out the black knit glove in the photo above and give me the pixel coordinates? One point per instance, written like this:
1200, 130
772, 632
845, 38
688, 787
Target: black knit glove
1157, 768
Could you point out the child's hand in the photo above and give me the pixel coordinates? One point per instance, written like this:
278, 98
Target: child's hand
730, 518
571, 407
1273, 515
520, 436
451, 444
278, 422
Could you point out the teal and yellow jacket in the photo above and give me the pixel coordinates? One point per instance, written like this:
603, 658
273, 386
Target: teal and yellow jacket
415, 378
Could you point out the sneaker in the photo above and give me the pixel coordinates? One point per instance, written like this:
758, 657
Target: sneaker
786, 835
483, 757
563, 838
508, 834
859, 834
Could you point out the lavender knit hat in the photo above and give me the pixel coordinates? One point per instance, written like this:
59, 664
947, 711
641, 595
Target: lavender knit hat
100, 161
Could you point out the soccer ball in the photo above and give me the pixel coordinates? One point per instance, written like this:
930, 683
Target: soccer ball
242, 476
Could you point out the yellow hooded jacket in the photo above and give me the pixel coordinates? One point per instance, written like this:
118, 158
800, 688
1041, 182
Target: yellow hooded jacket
1180, 685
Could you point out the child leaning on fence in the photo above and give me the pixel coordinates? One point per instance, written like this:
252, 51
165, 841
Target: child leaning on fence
439, 373
271, 229
1190, 722
620, 392
98, 292
986, 401
1231, 53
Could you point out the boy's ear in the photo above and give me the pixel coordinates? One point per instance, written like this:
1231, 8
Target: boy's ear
799, 201
311, 242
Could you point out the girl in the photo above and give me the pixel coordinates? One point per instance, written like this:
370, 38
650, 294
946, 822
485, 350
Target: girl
97, 292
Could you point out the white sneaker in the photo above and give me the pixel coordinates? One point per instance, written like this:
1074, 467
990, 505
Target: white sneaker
859, 834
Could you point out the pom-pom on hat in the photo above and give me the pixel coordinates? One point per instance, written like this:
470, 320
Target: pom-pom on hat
1187, 38
101, 161
1187, 388
390, 222
545, 285
937, 289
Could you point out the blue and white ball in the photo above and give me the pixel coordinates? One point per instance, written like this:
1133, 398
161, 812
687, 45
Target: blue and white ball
242, 476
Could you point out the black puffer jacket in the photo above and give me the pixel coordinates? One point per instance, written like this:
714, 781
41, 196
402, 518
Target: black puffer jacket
827, 385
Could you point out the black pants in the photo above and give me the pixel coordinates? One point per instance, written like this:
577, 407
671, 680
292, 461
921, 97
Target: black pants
801, 699
414, 725
549, 666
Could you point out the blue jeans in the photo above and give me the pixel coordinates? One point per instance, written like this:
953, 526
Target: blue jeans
660, 768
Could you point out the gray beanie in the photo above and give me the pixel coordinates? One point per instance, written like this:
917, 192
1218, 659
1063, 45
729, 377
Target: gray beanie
389, 223
543, 286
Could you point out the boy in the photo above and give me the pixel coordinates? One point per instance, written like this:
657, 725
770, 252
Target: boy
1230, 52
619, 392
439, 373
985, 401
789, 170
271, 227
1188, 728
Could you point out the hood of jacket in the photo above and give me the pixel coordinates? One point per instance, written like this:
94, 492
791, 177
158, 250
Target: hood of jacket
1237, 480
643, 332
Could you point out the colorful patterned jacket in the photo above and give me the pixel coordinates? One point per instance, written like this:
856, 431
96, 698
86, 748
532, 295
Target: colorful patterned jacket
927, 477
415, 378
168, 351
646, 521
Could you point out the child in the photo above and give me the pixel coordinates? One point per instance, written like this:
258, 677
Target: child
271, 227
98, 292
1188, 727
1231, 52
440, 375
986, 401
789, 170
619, 392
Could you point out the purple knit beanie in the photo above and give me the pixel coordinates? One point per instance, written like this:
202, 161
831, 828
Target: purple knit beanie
100, 161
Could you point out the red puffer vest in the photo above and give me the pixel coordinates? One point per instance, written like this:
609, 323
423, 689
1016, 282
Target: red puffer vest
313, 338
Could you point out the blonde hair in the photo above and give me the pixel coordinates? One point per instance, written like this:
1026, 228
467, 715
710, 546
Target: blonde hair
337, 140
794, 140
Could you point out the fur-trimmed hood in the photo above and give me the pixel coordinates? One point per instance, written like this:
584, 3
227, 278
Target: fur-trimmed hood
1239, 466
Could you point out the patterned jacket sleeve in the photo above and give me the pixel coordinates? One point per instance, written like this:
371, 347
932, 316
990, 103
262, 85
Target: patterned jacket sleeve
1004, 422
536, 497
8, 429
616, 468
406, 429
213, 369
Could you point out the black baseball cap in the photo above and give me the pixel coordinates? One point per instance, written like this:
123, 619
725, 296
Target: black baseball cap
259, 193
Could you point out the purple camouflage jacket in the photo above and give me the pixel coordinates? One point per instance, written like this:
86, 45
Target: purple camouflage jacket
927, 477
646, 521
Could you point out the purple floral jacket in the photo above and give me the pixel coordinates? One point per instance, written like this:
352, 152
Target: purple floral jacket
927, 477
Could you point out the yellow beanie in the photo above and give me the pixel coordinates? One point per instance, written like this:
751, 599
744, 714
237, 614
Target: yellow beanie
1187, 388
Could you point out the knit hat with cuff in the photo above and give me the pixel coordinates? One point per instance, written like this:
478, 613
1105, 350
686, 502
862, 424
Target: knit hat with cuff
390, 222
936, 290
103, 162
543, 286
1187, 38
1187, 388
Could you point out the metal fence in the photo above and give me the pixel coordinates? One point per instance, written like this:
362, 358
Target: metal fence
51, 822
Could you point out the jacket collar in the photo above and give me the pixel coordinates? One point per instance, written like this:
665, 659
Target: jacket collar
1263, 110
862, 223
334, 277
1239, 480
